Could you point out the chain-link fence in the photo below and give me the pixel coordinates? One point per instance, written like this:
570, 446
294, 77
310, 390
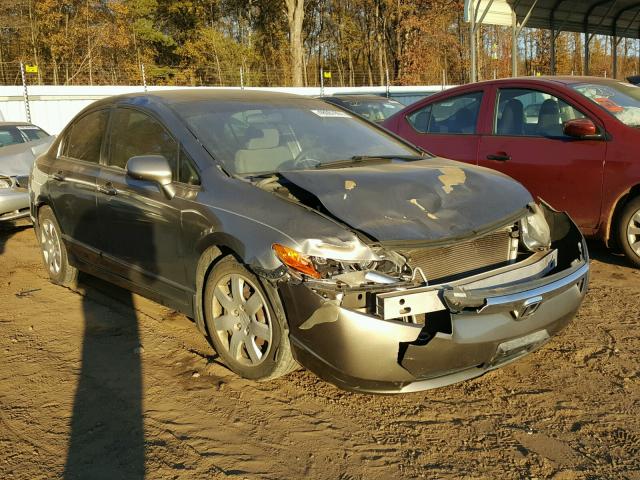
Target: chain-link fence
86, 73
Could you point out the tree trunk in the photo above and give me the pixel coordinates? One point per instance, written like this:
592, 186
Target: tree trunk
295, 16
33, 44
379, 43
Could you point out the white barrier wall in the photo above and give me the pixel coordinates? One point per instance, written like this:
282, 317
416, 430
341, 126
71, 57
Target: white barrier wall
53, 106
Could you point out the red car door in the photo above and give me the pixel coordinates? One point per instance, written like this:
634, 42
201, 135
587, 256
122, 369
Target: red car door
527, 143
447, 127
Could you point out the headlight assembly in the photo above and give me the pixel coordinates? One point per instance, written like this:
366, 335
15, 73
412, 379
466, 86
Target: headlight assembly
535, 232
5, 182
326, 268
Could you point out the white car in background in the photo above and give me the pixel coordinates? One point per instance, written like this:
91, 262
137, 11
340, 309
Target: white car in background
20, 144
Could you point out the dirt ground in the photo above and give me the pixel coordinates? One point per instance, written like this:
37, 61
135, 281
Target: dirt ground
97, 384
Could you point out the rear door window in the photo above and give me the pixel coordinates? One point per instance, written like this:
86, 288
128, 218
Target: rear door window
456, 115
84, 141
135, 133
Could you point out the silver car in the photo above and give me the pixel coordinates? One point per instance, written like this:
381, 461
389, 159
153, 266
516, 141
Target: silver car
20, 144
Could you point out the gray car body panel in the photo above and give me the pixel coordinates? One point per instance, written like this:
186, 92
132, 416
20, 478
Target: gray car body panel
427, 201
15, 162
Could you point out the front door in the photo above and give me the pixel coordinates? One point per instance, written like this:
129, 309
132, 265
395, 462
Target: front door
140, 225
528, 144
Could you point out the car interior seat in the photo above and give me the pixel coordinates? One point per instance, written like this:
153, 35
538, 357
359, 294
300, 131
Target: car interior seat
549, 119
262, 152
512, 120
463, 121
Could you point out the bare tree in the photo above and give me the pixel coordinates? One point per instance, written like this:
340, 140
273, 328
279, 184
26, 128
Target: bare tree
295, 17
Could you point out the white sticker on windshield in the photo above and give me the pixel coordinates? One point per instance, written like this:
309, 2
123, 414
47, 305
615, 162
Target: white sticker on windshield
331, 113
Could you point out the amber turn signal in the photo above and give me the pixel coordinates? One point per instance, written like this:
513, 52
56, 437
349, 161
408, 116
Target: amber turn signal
295, 260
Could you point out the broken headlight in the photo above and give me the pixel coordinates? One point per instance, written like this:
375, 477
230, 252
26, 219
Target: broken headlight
325, 268
534, 230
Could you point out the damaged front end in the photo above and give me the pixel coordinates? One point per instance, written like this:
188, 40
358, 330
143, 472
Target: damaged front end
392, 317
14, 198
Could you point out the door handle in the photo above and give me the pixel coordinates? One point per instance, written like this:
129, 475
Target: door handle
501, 157
58, 176
107, 189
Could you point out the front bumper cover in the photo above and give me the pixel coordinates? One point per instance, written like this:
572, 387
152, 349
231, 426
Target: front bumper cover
499, 318
14, 203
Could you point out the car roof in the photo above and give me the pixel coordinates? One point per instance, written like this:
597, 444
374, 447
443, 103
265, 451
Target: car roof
359, 98
184, 95
16, 124
537, 80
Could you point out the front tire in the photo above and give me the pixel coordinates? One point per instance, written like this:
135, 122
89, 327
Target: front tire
249, 335
54, 252
629, 231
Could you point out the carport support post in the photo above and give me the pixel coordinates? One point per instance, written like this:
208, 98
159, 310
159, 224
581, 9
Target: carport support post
587, 40
514, 44
472, 41
614, 54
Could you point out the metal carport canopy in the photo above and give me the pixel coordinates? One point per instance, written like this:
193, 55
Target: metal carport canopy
617, 18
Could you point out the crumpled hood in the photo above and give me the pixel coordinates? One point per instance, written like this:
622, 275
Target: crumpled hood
16, 160
425, 200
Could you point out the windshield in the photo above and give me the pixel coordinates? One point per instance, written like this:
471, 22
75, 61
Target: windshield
273, 136
374, 110
622, 100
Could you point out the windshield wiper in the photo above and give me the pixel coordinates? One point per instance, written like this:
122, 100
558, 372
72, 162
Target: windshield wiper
357, 159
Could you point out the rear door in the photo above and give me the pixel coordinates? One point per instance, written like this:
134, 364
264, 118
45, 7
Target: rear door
139, 224
73, 184
446, 127
527, 143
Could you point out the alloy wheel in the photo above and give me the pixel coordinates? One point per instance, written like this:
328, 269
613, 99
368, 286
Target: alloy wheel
241, 319
51, 248
633, 232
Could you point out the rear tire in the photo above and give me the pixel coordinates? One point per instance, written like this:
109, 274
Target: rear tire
250, 336
629, 231
54, 251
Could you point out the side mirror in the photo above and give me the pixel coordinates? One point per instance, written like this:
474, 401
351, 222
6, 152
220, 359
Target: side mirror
581, 128
152, 168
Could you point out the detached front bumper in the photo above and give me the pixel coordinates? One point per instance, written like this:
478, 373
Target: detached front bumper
472, 325
14, 203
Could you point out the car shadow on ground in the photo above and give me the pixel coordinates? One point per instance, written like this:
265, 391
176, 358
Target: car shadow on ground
599, 251
8, 230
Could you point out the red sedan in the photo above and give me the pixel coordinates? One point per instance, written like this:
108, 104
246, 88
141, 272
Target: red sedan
574, 142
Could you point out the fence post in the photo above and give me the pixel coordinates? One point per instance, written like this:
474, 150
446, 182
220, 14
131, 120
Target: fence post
241, 77
144, 77
387, 76
25, 93
321, 82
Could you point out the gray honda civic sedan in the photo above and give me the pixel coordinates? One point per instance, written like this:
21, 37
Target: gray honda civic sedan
294, 232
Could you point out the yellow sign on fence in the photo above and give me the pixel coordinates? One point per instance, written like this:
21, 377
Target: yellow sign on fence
31, 68
326, 74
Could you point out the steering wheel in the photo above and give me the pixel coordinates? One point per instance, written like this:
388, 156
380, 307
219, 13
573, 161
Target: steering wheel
307, 158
